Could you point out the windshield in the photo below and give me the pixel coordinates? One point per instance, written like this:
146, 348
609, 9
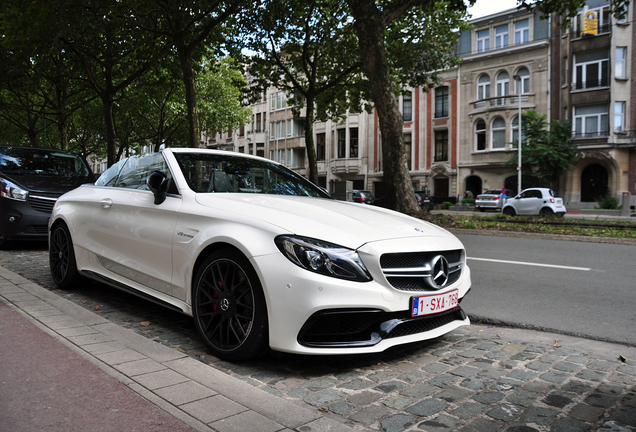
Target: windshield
33, 161
209, 173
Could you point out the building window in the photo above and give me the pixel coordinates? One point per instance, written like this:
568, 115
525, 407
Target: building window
591, 70
619, 116
342, 143
483, 40
483, 87
498, 134
320, 147
407, 107
620, 70
441, 101
353, 142
441, 145
501, 36
523, 86
503, 86
258, 122
480, 135
591, 121
407, 150
522, 32
515, 132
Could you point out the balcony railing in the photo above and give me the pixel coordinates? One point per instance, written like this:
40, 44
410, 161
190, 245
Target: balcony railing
602, 133
605, 28
589, 84
508, 100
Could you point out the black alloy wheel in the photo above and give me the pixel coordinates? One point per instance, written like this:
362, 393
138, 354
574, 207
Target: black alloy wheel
229, 307
62, 258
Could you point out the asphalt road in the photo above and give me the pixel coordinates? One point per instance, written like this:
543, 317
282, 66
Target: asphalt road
576, 288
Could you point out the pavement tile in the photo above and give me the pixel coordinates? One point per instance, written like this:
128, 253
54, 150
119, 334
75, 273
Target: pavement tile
139, 367
159, 379
89, 339
247, 421
117, 357
213, 408
183, 393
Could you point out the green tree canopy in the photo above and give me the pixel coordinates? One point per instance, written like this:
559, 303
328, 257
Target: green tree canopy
546, 152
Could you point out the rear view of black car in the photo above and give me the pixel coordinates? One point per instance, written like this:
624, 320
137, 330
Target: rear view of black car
31, 180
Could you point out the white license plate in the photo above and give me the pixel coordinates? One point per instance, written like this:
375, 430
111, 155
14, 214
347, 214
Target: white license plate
432, 304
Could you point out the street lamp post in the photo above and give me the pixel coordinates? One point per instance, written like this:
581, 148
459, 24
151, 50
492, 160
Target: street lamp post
518, 79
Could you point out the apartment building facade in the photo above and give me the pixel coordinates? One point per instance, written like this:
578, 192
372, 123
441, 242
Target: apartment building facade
459, 134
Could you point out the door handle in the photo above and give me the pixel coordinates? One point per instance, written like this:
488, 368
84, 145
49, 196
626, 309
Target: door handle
106, 202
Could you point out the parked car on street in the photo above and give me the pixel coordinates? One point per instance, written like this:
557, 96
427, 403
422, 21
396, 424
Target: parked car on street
31, 180
491, 200
259, 256
535, 201
363, 196
424, 201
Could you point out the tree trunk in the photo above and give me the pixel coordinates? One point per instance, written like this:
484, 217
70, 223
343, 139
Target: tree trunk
400, 194
109, 126
309, 140
185, 61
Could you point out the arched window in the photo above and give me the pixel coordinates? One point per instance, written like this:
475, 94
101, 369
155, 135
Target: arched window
483, 87
514, 127
503, 86
498, 131
522, 86
480, 135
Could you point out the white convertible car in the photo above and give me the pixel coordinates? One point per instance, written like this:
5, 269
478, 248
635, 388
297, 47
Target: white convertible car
259, 256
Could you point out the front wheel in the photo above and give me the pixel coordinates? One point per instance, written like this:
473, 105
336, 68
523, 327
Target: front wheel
508, 211
229, 307
62, 258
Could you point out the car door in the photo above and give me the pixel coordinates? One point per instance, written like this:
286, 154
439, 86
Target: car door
529, 202
133, 236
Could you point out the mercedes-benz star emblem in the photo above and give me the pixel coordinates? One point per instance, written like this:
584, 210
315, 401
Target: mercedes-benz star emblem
439, 275
225, 304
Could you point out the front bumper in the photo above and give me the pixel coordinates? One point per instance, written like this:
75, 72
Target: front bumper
314, 314
20, 220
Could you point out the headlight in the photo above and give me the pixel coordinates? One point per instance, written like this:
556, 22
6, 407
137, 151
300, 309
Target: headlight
9, 190
323, 258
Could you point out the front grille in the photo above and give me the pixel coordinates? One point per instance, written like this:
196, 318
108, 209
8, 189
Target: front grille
359, 328
37, 229
41, 202
413, 271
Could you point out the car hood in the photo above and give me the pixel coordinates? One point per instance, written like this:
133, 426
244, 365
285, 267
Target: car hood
44, 183
347, 224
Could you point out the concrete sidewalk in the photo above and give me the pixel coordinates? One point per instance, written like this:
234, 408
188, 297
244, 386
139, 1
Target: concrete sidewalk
64, 368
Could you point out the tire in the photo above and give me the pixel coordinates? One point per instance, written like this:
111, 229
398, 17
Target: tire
508, 211
546, 212
482, 209
4, 243
228, 306
62, 258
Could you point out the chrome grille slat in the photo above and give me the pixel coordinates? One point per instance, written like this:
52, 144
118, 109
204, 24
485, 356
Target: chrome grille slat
413, 271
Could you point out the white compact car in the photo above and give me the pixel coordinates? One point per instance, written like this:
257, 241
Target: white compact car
259, 256
535, 201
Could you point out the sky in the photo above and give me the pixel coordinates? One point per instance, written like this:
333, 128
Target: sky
488, 7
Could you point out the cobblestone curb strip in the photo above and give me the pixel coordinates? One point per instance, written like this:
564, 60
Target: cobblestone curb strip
476, 379
197, 394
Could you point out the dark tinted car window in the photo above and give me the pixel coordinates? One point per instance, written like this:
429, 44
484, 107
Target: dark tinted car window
33, 161
226, 173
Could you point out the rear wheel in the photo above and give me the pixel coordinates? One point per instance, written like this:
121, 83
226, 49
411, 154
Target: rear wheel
229, 307
482, 209
508, 211
62, 258
546, 212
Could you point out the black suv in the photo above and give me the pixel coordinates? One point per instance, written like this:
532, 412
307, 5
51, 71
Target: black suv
31, 180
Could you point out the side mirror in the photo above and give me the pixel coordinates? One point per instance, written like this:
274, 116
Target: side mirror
157, 182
